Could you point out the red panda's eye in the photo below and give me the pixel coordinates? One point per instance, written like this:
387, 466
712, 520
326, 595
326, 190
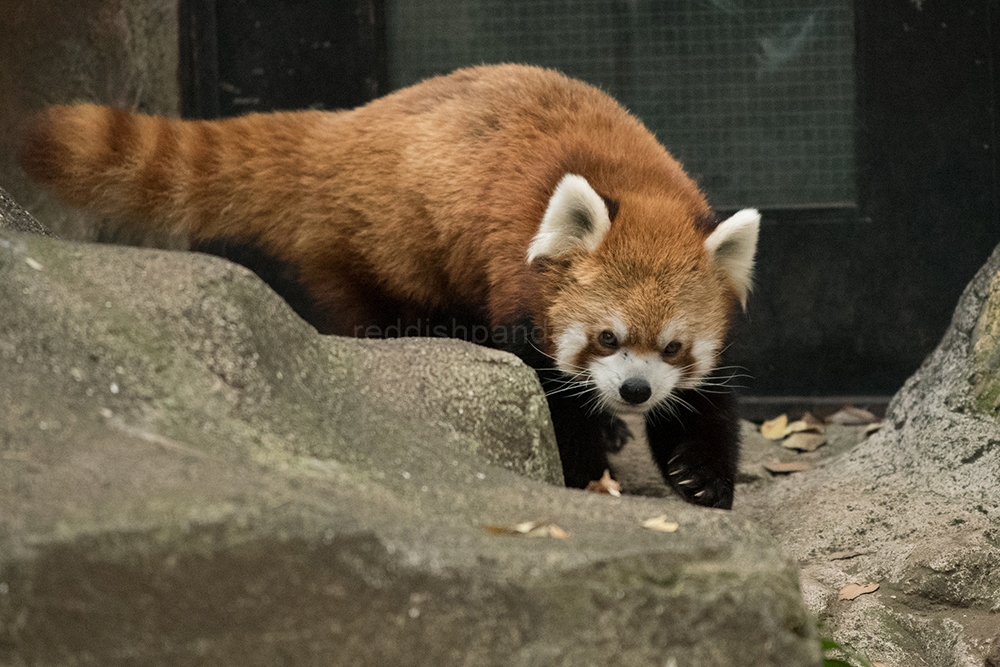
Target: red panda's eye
672, 348
608, 339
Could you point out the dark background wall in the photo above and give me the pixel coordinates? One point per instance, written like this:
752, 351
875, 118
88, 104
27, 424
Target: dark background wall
853, 305
239, 56
851, 295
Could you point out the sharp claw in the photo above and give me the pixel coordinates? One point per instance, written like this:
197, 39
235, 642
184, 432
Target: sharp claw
701, 493
686, 482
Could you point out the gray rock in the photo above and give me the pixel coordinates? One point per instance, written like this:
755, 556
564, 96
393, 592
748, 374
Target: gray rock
189, 474
915, 507
14, 217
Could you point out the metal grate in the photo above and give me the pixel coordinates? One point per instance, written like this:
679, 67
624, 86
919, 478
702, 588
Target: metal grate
755, 97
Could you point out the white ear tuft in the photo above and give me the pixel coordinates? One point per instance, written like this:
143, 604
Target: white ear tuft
733, 245
576, 218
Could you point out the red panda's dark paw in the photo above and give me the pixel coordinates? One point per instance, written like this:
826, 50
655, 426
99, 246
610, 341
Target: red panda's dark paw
616, 434
701, 486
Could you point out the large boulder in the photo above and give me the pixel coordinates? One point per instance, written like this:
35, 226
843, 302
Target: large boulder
915, 507
189, 474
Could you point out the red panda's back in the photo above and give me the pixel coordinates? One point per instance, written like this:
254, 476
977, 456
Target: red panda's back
474, 157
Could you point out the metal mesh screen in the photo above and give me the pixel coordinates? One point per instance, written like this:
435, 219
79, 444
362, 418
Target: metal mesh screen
755, 97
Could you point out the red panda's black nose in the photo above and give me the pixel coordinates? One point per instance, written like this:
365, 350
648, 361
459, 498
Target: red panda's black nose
635, 391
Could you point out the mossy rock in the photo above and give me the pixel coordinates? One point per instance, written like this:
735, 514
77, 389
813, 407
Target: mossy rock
986, 353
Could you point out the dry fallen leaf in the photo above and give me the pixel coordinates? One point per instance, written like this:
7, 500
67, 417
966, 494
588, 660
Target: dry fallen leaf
605, 485
774, 429
808, 424
805, 442
525, 527
499, 530
851, 416
661, 524
846, 555
557, 532
813, 420
779, 467
529, 528
872, 428
852, 591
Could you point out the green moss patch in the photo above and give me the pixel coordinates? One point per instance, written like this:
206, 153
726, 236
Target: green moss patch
986, 354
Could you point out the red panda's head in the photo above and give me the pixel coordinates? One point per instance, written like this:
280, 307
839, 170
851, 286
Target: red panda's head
640, 305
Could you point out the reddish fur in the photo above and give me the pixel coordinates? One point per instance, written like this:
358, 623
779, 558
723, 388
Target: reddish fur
430, 195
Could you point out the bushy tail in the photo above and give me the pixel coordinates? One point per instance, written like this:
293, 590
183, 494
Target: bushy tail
200, 177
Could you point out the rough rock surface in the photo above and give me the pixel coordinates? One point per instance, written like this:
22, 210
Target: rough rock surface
915, 507
14, 217
190, 475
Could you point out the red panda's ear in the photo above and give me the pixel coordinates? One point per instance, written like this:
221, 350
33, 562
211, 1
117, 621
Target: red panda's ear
576, 218
732, 247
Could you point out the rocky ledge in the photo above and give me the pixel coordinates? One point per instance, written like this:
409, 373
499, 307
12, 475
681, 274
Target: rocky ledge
914, 508
189, 474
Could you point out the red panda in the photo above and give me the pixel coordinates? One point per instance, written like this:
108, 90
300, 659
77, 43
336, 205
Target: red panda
509, 200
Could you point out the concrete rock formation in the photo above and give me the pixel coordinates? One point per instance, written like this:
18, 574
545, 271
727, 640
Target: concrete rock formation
189, 474
915, 507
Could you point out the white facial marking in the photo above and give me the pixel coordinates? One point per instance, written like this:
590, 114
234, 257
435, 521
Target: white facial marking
618, 326
704, 351
673, 330
569, 344
608, 374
